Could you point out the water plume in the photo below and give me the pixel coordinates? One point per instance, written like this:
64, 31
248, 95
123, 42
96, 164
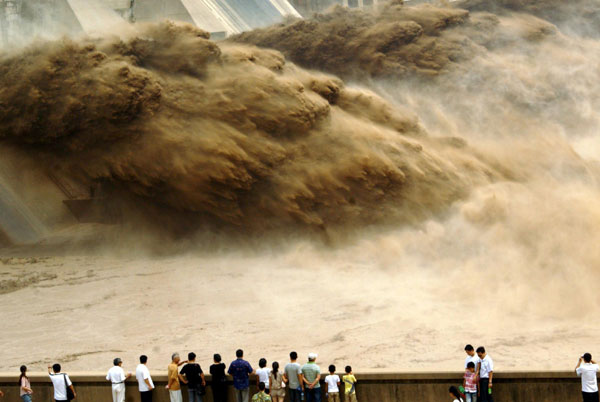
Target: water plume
227, 135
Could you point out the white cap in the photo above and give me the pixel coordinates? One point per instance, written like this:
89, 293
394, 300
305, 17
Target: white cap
312, 356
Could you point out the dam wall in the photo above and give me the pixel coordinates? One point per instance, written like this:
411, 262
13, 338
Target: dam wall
224, 17
31, 205
372, 387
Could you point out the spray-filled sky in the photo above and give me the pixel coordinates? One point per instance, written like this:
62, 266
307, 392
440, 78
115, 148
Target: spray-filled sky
426, 176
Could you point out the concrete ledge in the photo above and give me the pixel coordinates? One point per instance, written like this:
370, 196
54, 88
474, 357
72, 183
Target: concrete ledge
542, 386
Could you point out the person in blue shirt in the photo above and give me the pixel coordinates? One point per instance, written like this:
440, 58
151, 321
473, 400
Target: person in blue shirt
240, 370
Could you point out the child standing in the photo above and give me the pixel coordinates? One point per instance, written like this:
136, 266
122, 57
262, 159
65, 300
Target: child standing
262, 374
332, 382
470, 383
261, 396
350, 383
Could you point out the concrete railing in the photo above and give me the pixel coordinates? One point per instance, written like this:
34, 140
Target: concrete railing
372, 387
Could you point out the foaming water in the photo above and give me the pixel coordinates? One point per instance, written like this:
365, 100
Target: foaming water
448, 194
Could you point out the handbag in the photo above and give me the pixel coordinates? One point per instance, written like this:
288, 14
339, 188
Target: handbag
69, 391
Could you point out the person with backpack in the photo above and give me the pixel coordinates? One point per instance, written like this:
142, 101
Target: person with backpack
63, 387
25, 390
193, 376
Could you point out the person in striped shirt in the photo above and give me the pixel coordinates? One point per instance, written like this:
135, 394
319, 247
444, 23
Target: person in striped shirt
470, 383
311, 375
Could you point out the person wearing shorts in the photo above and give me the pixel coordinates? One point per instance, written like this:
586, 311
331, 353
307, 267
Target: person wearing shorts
350, 384
332, 385
276, 383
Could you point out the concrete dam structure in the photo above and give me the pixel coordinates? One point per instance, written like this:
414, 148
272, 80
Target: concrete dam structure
372, 387
216, 16
20, 20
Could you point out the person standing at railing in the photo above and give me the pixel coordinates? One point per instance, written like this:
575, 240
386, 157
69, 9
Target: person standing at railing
587, 369
219, 379
276, 384
486, 374
145, 384
262, 374
193, 376
173, 376
240, 370
261, 395
332, 385
350, 385
311, 375
117, 377
470, 383
63, 387
25, 390
292, 376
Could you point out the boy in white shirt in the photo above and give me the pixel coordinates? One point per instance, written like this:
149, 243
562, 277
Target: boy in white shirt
117, 377
588, 373
262, 374
332, 385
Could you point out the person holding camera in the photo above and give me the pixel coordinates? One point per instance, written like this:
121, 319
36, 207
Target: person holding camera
587, 369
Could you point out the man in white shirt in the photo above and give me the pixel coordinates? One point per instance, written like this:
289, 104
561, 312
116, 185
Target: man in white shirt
486, 374
142, 374
588, 373
117, 377
471, 356
60, 381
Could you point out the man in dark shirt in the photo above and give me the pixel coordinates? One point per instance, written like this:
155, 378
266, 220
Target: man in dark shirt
240, 370
194, 378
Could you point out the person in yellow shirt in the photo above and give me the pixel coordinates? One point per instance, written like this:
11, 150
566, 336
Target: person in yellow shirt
173, 376
350, 384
